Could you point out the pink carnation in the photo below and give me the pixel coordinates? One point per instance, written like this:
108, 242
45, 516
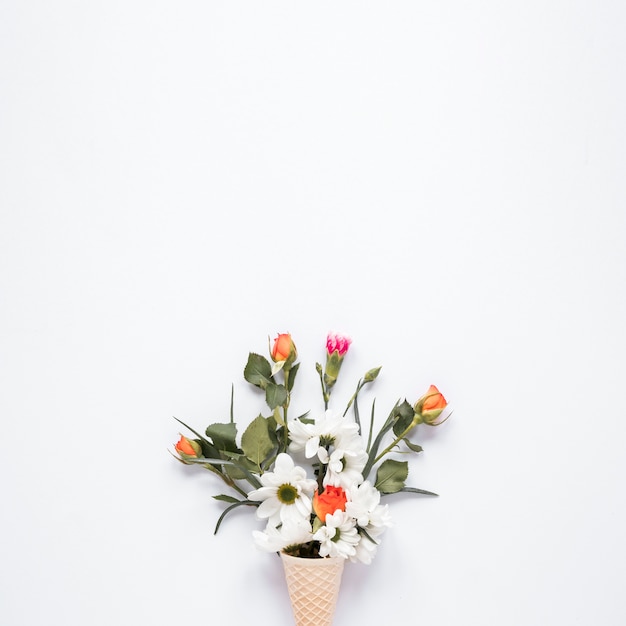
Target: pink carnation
339, 343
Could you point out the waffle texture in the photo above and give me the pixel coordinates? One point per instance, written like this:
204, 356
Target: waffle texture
313, 586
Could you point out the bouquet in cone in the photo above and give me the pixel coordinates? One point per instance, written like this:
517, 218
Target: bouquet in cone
316, 481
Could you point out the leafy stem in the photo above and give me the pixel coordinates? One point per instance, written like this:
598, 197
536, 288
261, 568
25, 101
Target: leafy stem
371, 432
398, 439
370, 377
373, 451
232, 484
211, 463
286, 404
325, 393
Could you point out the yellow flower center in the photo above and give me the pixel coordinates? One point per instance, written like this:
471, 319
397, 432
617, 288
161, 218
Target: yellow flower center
287, 493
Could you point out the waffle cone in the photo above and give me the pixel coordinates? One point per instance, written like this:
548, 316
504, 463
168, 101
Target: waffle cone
313, 586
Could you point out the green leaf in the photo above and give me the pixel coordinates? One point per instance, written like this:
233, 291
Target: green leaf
203, 461
232, 402
208, 449
275, 395
223, 436
363, 532
241, 467
404, 416
256, 441
229, 509
420, 491
357, 417
373, 449
412, 446
391, 476
258, 370
371, 432
292, 376
304, 419
272, 426
278, 418
225, 498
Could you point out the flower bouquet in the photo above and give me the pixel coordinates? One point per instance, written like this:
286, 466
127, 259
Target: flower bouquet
308, 478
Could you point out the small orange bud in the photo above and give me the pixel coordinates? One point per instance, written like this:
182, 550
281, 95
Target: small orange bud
431, 405
188, 448
434, 399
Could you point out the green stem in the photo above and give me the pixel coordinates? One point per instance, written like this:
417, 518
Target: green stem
325, 393
232, 399
227, 479
359, 386
369, 438
320, 478
356, 414
236, 487
396, 441
210, 464
372, 451
285, 407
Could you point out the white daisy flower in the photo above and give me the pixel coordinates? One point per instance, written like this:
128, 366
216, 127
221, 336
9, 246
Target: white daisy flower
339, 536
380, 518
314, 439
285, 494
366, 548
345, 467
371, 517
291, 533
364, 505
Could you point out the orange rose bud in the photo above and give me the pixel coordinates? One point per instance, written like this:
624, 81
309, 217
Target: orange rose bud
430, 406
187, 448
284, 349
329, 501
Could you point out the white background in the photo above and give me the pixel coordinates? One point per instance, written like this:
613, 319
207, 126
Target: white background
443, 181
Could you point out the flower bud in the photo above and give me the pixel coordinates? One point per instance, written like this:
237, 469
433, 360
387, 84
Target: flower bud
336, 348
330, 500
284, 350
430, 406
188, 448
372, 374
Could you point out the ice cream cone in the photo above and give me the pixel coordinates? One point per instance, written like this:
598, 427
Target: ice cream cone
313, 586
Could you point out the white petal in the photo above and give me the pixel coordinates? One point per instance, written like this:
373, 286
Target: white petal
311, 447
268, 508
304, 505
322, 455
284, 463
261, 494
